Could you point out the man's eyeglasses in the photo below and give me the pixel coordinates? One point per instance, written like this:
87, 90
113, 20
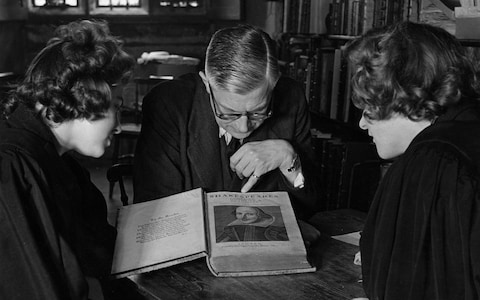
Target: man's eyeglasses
253, 116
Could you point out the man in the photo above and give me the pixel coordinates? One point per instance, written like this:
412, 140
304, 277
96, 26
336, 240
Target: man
252, 224
239, 99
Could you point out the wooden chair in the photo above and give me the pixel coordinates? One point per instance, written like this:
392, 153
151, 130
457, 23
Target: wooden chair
124, 142
117, 173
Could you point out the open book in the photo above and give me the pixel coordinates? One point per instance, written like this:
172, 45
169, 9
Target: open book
239, 234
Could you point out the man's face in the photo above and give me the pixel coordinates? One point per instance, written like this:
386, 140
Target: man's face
251, 107
246, 214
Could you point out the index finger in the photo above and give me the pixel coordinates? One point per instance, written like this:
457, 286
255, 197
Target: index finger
252, 180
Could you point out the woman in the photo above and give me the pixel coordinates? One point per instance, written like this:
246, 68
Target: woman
419, 94
53, 226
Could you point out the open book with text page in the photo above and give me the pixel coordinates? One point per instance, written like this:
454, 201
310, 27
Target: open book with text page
239, 234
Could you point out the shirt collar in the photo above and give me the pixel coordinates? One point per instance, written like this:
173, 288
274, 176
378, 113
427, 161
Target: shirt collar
228, 137
223, 133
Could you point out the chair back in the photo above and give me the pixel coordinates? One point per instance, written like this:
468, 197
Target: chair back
117, 173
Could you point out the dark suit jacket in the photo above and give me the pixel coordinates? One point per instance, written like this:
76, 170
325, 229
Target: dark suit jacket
179, 149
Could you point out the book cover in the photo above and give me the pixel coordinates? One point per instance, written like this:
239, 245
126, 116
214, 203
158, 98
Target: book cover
238, 234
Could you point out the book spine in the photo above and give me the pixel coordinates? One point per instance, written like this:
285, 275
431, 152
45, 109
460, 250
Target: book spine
304, 24
308, 82
354, 18
298, 25
293, 16
286, 15
335, 16
337, 68
325, 85
315, 79
380, 13
347, 103
316, 19
341, 180
368, 15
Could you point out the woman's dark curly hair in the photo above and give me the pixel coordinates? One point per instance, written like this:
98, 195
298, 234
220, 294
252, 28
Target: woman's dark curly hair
413, 69
72, 76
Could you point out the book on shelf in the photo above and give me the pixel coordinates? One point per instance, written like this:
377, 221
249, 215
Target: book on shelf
336, 78
387, 12
303, 25
239, 234
326, 75
309, 81
347, 93
337, 16
318, 14
352, 17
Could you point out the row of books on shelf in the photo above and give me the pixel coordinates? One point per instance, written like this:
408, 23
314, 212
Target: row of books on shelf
325, 75
305, 16
355, 17
345, 17
351, 17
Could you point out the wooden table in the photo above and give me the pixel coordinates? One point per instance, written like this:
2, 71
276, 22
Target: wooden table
336, 276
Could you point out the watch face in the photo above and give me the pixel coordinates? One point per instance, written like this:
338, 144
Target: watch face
295, 164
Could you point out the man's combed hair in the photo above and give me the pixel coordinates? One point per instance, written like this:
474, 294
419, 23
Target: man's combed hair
413, 69
240, 59
71, 77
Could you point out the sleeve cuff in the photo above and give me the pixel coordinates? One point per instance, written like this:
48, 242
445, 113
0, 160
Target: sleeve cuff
299, 181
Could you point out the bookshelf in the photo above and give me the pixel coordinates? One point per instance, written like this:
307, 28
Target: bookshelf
342, 149
349, 166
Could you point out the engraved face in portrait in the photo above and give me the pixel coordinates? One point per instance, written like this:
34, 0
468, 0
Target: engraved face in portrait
249, 223
247, 214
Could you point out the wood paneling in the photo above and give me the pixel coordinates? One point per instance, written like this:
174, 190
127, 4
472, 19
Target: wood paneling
12, 50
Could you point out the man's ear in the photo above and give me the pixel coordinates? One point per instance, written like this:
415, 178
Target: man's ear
205, 80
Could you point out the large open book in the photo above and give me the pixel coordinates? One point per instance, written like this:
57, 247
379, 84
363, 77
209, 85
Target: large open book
239, 234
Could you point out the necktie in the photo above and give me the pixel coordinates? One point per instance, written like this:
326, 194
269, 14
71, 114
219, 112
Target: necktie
229, 150
232, 147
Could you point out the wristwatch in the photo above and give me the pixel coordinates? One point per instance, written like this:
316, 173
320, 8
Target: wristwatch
295, 164
299, 181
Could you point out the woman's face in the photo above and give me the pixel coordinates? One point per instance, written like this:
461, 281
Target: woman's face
246, 214
89, 137
392, 136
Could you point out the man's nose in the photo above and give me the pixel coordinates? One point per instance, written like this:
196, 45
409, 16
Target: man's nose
243, 124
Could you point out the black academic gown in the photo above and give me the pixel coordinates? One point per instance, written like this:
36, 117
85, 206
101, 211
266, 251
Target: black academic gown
421, 239
179, 147
53, 220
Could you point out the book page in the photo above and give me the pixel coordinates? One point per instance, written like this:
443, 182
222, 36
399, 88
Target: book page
159, 231
253, 232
